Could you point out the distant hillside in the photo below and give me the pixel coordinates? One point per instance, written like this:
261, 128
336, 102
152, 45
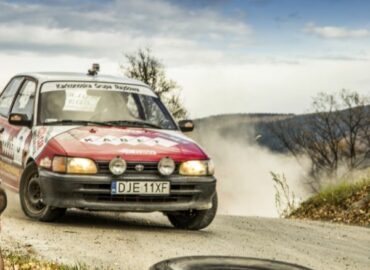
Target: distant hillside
250, 128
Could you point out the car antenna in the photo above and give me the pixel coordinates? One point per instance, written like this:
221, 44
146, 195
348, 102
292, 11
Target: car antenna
93, 71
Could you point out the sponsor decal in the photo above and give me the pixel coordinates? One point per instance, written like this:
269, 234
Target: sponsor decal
13, 147
130, 140
138, 152
91, 86
7, 144
80, 101
19, 144
42, 135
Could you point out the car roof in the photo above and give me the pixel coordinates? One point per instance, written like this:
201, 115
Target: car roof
71, 76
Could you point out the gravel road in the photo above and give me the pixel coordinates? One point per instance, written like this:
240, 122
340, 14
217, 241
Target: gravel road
136, 241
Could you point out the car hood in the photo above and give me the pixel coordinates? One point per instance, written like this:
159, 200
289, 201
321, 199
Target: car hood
104, 143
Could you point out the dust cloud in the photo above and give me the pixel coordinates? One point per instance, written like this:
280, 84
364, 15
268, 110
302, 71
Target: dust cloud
243, 167
245, 185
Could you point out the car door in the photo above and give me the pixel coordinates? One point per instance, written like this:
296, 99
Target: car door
18, 138
6, 100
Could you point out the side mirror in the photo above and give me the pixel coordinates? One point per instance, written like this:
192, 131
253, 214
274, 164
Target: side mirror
19, 119
186, 125
3, 201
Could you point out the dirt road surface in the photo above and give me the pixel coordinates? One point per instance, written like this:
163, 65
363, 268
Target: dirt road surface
136, 241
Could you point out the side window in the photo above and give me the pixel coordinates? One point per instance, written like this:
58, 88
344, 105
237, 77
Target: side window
153, 112
8, 94
25, 100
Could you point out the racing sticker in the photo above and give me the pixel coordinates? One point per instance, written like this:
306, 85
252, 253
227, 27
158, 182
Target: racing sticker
79, 100
138, 152
6, 144
131, 140
41, 136
19, 144
13, 147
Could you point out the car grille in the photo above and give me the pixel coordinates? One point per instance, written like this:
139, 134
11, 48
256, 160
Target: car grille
102, 193
149, 168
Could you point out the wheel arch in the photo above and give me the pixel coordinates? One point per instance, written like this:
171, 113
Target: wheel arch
29, 160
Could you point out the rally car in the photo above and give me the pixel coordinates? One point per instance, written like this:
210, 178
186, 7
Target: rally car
94, 142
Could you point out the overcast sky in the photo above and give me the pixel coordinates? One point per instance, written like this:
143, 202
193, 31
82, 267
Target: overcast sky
228, 56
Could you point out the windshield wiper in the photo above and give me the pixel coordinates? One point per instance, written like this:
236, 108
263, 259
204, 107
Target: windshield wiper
81, 122
105, 123
134, 123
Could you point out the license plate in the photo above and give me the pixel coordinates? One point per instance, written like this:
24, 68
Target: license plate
141, 187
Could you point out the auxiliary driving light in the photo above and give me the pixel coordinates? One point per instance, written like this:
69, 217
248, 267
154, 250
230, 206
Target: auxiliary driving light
166, 166
117, 166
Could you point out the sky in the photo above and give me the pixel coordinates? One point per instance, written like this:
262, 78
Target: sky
242, 56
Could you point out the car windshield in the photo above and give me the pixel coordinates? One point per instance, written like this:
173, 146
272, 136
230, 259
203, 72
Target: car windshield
104, 103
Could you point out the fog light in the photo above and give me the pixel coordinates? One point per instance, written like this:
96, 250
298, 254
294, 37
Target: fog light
117, 166
166, 166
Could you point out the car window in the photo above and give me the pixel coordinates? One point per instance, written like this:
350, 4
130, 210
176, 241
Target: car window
154, 113
8, 94
24, 102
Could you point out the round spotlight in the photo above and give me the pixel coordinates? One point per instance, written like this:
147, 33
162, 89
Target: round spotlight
117, 166
166, 166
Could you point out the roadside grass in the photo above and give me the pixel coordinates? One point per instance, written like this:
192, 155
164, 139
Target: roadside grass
346, 202
16, 261
339, 193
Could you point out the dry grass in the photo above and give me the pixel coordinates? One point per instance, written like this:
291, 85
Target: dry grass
15, 261
347, 203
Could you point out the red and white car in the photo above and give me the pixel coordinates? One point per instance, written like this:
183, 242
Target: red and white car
96, 142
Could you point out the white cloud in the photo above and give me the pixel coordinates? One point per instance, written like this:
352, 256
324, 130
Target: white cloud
248, 86
204, 51
175, 33
334, 32
267, 87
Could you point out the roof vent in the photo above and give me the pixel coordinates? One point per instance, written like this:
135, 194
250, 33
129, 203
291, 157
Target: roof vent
93, 71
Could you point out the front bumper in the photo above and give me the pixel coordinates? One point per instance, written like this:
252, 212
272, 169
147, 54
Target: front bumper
93, 192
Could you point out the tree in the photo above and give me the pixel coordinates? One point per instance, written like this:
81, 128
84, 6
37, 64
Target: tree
336, 135
143, 66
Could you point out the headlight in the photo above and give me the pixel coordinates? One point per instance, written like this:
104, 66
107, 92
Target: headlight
197, 168
166, 166
117, 166
74, 165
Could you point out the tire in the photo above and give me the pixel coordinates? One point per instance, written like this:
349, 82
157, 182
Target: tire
3, 201
31, 197
194, 219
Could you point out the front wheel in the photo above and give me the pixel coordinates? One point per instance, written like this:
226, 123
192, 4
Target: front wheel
31, 197
194, 219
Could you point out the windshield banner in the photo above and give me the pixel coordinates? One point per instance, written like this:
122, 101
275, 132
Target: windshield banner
97, 86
